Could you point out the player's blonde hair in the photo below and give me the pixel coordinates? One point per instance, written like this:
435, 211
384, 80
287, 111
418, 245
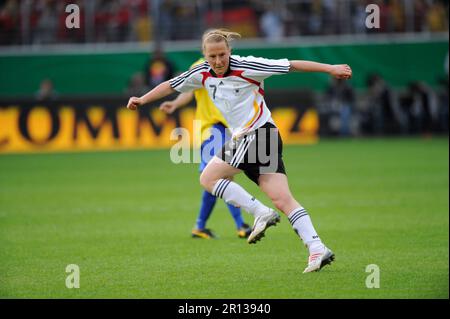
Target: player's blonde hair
219, 35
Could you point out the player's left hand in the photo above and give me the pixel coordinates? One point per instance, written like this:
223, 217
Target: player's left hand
341, 71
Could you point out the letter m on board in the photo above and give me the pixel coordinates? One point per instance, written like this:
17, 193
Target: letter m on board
81, 116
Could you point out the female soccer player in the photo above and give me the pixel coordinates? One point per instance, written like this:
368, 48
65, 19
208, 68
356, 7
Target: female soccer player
213, 137
235, 84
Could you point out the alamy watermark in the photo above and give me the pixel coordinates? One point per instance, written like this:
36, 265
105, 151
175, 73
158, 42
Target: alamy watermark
373, 19
373, 279
73, 18
73, 279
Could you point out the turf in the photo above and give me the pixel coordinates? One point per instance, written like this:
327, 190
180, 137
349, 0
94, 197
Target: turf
125, 218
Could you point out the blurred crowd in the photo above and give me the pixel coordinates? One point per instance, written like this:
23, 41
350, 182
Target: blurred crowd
381, 110
43, 21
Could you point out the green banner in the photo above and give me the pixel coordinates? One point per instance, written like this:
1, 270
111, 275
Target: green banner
398, 63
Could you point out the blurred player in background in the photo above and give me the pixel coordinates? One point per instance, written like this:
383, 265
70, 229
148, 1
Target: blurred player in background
236, 86
213, 137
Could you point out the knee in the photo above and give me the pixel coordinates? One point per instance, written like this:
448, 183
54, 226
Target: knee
206, 182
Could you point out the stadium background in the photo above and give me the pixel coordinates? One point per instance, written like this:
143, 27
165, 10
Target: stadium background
376, 166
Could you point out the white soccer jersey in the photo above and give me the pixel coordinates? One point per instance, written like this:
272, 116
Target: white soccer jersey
239, 93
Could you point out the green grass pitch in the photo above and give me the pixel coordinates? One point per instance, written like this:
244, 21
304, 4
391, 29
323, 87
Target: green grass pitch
125, 219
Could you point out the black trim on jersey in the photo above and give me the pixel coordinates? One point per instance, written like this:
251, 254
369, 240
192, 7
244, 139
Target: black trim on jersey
181, 78
258, 65
260, 69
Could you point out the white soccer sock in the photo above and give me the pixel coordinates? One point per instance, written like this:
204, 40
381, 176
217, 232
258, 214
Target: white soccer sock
301, 222
235, 195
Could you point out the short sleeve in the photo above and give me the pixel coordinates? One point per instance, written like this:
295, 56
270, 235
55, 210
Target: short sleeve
260, 68
189, 80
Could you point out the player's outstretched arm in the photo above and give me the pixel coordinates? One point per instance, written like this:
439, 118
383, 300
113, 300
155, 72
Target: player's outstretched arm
182, 99
157, 93
339, 71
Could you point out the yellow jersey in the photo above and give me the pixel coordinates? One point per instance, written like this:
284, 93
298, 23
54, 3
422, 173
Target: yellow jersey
206, 111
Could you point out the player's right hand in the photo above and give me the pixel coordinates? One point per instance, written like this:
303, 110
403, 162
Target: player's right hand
169, 107
133, 103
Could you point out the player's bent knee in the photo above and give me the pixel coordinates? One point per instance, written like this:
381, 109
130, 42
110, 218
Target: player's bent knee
206, 182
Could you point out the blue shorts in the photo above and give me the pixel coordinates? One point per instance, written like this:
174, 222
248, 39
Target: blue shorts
213, 144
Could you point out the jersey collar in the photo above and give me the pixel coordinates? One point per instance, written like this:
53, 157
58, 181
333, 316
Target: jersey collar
220, 76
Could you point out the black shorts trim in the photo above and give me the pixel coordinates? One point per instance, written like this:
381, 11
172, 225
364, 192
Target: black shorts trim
256, 153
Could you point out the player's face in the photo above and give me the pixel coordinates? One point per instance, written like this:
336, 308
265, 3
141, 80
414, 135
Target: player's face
218, 56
